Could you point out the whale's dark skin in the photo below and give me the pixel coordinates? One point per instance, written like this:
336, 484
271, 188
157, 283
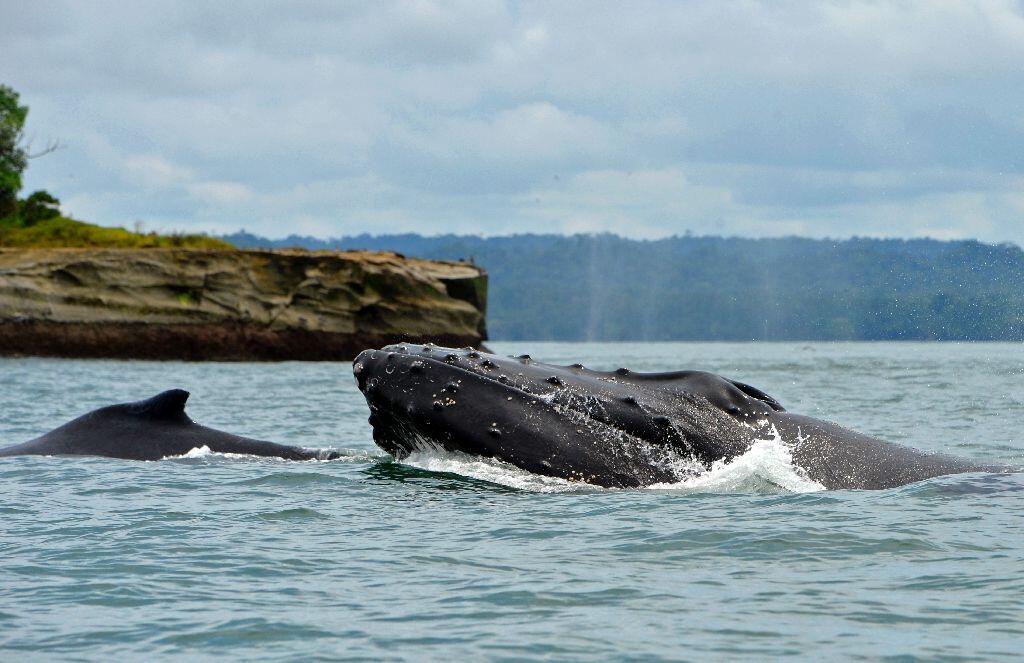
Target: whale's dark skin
616, 429
151, 429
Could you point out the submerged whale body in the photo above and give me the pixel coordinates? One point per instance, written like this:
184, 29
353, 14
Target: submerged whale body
151, 429
616, 429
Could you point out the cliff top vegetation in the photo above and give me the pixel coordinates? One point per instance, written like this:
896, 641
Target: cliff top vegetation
61, 231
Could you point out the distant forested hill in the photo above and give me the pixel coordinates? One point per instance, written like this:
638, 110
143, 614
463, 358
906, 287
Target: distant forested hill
604, 287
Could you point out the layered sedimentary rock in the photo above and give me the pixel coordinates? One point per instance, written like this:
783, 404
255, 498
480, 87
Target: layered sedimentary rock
231, 305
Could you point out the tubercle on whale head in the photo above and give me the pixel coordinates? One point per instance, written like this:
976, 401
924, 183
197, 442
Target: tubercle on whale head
398, 377
419, 397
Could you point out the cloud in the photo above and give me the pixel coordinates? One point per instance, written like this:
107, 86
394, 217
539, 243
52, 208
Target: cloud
152, 171
835, 118
509, 150
650, 203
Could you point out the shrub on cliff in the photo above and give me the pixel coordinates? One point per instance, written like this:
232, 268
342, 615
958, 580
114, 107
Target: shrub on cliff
39, 206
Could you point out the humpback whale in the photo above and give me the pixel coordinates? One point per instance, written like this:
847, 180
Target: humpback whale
150, 429
614, 429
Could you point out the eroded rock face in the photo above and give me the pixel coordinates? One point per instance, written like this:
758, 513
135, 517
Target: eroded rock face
231, 305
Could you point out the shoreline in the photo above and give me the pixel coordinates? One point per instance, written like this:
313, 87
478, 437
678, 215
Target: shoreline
236, 342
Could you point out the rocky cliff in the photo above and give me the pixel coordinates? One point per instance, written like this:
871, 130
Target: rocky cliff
231, 304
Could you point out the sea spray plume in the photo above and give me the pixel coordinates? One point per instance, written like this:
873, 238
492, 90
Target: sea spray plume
613, 429
150, 429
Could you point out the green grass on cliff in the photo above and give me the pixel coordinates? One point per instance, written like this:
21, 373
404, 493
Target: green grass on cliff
60, 232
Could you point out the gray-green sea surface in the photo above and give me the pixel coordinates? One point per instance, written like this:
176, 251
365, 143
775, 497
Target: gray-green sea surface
209, 556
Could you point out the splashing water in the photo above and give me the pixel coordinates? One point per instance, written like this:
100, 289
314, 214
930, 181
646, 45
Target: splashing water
493, 471
767, 468
199, 452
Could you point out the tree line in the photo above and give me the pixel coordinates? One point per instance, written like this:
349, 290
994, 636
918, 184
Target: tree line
605, 287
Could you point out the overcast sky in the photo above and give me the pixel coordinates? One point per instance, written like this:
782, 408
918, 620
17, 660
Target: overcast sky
644, 118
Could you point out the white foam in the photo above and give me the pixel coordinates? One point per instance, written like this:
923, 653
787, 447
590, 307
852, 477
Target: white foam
767, 467
205, 452
347, 455
492, 471
201, 452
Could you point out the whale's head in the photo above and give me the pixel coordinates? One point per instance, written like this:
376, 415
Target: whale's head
616, 428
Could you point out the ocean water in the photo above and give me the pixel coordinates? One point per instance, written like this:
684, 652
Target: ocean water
207, 556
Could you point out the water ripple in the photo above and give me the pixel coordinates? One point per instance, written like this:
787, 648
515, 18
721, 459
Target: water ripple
452, 557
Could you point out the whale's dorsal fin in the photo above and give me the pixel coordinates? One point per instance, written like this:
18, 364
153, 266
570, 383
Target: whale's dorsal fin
165, 406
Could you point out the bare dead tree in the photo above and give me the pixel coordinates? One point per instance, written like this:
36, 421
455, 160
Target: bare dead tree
51, 146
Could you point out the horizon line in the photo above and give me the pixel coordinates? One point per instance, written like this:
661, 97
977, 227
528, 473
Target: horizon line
608, 234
